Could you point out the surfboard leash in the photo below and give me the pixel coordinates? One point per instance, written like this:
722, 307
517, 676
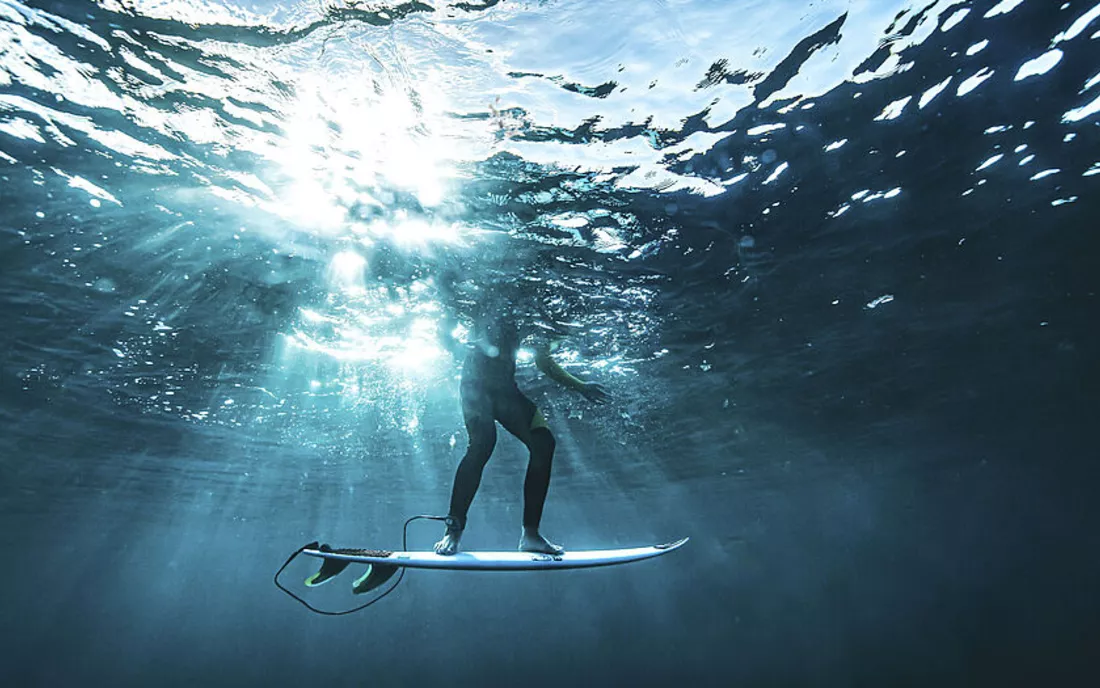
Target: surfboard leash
315, 544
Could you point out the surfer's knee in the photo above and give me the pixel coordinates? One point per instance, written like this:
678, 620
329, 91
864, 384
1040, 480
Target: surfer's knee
543, 442
482, 447
481, 444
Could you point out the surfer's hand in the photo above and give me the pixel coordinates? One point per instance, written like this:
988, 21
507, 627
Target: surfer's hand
597, 394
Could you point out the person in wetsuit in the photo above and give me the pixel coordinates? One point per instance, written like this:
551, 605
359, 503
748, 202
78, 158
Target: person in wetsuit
489, 396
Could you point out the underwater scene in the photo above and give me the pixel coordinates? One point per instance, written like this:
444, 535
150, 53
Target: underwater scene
811, 284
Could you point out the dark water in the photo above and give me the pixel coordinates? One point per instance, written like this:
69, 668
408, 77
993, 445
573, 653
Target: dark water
836, 261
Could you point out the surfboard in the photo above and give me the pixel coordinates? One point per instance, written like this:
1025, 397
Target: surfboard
385, 563
497, 561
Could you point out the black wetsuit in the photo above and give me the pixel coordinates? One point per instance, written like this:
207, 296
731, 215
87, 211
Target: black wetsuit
490, 395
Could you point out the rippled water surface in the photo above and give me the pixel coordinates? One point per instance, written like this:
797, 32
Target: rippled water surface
835, 260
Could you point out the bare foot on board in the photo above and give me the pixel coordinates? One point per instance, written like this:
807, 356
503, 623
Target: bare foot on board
533, 542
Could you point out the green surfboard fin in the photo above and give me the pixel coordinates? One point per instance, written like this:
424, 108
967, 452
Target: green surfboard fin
330, 568
376, 575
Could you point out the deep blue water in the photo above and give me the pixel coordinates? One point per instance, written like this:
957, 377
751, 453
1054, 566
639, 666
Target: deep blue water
836, 261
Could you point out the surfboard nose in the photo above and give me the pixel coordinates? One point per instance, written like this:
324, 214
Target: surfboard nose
672, 545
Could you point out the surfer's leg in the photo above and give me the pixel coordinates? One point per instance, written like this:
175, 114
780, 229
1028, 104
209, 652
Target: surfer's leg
482, 432
521, 417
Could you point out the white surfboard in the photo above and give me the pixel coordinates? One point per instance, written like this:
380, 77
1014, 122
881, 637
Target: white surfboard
497, 561
383, 564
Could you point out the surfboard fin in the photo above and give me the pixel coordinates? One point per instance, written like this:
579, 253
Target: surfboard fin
376, 575
330, 568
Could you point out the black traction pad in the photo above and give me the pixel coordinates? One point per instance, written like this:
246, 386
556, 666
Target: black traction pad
358, 552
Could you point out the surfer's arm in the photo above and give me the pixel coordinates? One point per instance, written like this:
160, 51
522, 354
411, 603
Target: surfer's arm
590, 390
446, 332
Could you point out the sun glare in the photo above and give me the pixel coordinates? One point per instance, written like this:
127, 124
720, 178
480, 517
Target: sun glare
346, 272
353, 147
347, 145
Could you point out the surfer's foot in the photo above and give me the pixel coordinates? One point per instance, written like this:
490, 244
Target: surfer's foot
448, 546
533, 542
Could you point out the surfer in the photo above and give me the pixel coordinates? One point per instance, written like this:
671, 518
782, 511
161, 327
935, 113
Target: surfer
489, 396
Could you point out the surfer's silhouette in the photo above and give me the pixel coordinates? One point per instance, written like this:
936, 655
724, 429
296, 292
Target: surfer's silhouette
490, 395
